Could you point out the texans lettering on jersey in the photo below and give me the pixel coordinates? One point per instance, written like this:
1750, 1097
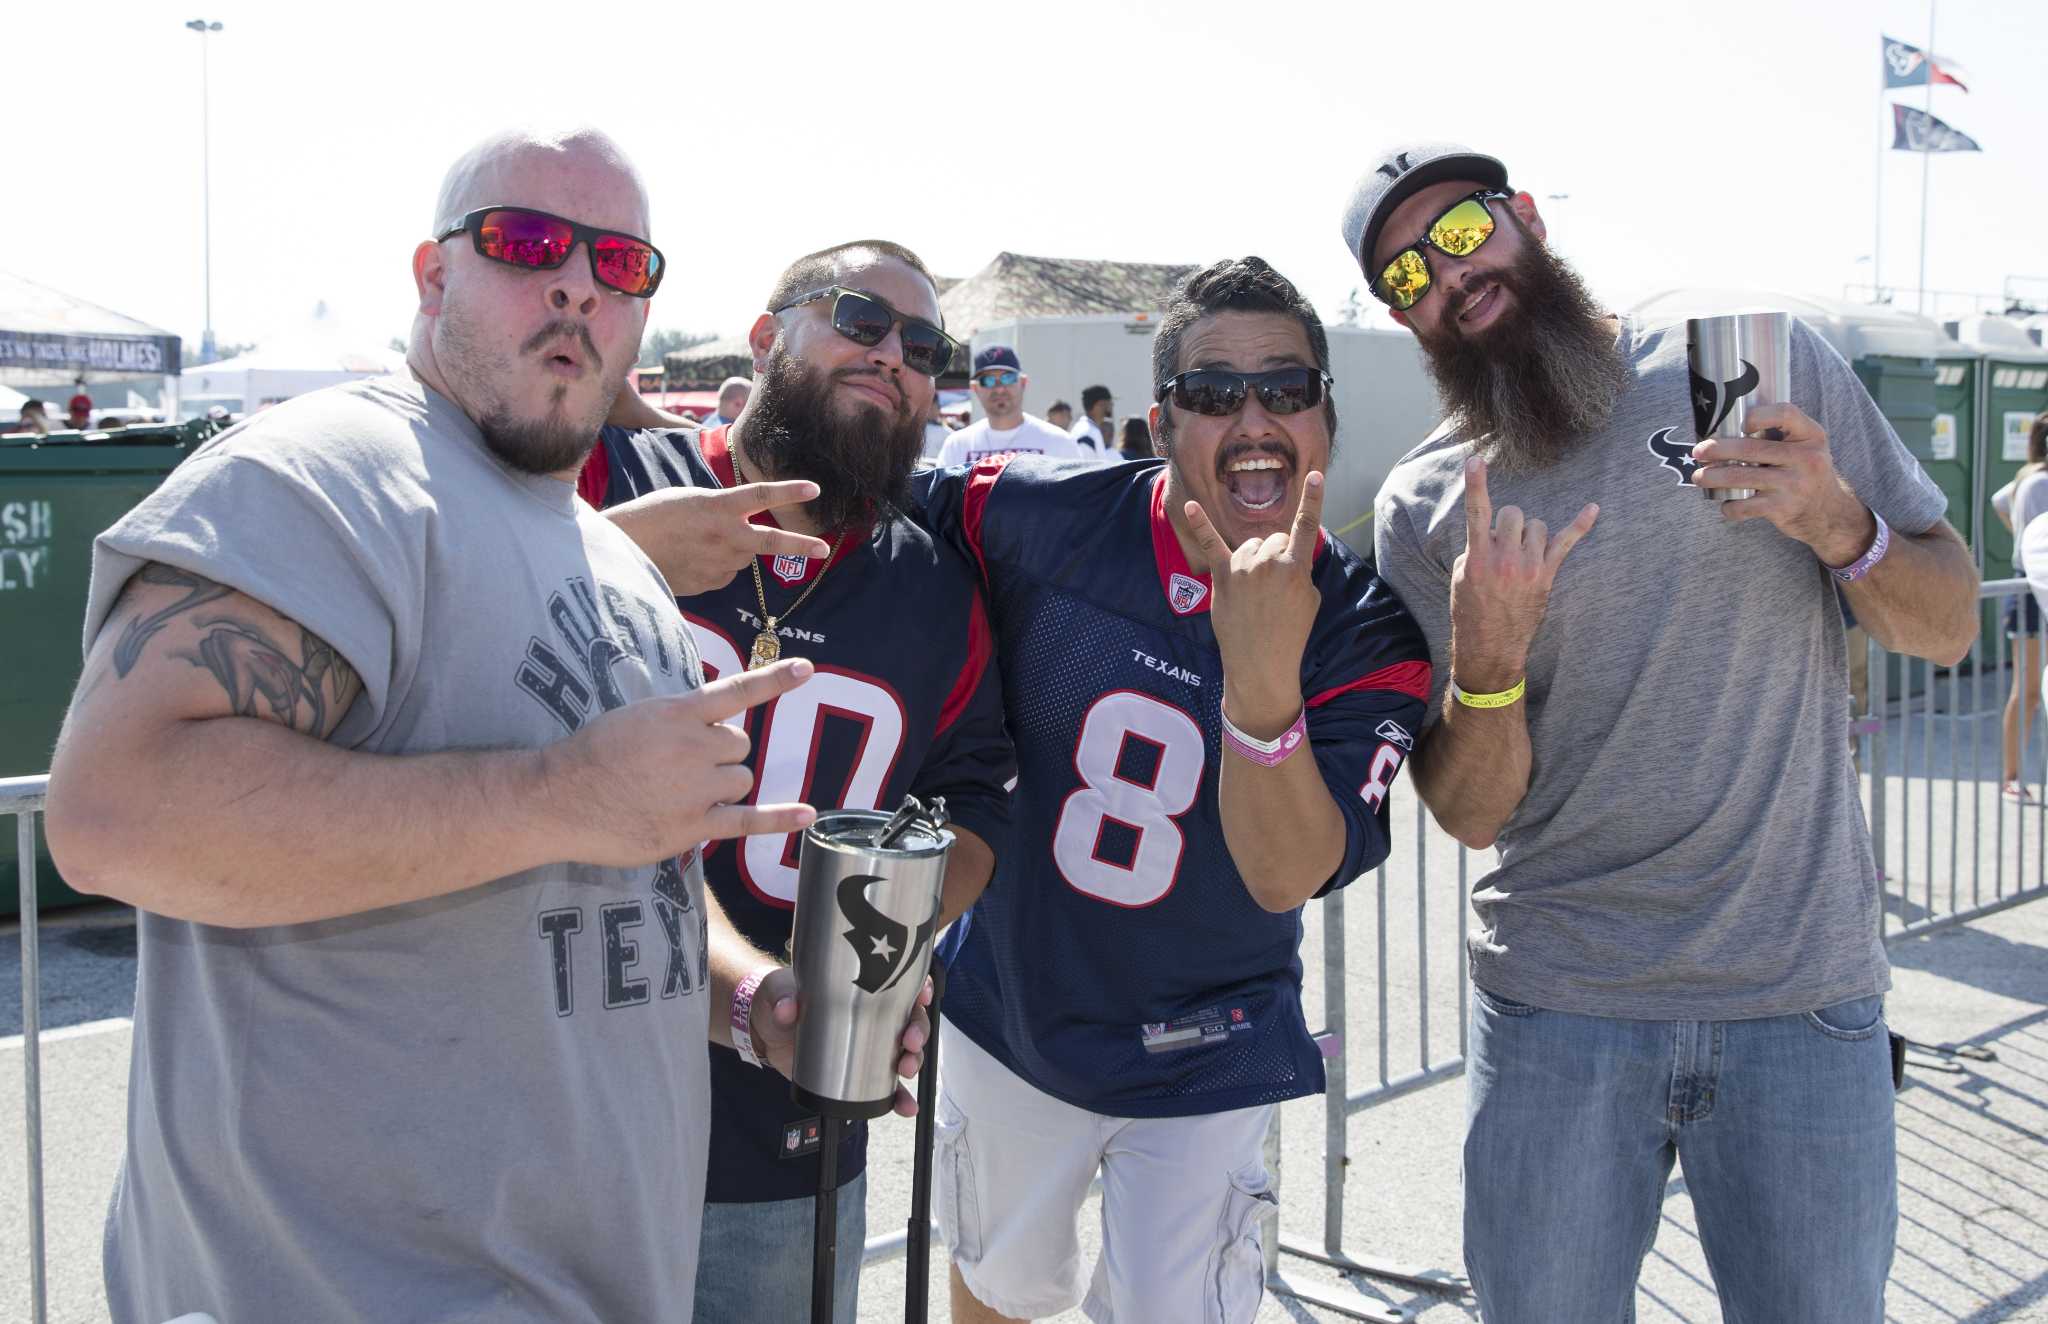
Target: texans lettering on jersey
1117, 960
904, 701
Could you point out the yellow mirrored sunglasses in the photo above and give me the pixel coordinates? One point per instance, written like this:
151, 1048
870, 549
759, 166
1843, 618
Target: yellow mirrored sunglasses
1460, 230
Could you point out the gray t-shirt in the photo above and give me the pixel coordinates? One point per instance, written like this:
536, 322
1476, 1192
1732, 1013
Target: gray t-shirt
490, 1105
1692, 845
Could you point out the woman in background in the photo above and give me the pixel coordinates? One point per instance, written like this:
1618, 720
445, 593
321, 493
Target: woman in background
2022, 615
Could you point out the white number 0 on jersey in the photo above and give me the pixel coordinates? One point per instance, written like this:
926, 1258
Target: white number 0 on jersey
788, 738
1147, 810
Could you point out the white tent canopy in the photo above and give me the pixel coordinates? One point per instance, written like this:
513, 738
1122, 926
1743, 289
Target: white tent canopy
305, 358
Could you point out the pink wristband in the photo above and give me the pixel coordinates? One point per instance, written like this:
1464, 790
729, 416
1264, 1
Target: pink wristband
1267, 753
1861, 566
743, 1016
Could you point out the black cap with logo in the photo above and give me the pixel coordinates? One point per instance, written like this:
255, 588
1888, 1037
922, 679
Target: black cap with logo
1398, 175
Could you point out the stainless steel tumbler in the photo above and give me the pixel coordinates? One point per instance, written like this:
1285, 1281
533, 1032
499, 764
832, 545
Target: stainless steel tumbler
865, 917
1738, 362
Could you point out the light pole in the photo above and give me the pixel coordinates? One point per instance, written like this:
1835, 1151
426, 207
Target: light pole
202, 27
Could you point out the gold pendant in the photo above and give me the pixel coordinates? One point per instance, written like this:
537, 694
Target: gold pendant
766, 649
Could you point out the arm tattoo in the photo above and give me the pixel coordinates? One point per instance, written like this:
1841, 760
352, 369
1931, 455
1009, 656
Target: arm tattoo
262, 681
128, 650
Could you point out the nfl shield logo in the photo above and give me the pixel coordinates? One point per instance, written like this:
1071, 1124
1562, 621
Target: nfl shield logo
790, 569
1185, 594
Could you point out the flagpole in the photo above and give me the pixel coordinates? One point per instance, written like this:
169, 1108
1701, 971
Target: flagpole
1877, 240
1926, 157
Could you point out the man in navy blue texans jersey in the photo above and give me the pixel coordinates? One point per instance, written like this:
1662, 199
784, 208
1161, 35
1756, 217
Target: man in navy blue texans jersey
905, 698
1203, 745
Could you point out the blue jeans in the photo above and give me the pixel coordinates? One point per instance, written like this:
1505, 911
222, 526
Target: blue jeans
1783, 1125
754, 1261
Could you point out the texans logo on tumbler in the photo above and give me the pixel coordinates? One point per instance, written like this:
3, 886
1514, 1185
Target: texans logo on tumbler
1711, 401
886, 947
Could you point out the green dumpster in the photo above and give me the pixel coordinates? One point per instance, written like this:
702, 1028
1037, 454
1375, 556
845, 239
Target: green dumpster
56, 494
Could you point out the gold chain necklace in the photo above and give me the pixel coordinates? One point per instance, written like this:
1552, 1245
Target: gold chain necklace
767, 647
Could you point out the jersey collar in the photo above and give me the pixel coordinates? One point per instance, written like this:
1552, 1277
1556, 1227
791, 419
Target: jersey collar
1187, 593
716, 446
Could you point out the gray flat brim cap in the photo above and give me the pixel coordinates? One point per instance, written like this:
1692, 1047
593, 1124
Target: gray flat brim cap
1400, 173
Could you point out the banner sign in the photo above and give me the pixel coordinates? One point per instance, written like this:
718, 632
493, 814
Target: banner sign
141, 356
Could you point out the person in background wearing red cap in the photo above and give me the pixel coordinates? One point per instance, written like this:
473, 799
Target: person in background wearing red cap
1678, 955
80, 408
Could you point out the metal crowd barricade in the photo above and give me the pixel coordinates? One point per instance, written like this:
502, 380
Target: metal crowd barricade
22, 797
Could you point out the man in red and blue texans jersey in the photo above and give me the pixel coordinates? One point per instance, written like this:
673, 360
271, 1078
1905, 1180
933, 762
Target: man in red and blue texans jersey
1203, 745
905, 698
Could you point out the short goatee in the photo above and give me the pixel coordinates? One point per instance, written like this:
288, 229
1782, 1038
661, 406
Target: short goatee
861, 457
1539, 380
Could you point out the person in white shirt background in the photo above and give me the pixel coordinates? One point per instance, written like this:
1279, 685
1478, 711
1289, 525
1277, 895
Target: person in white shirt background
2017, 504
1097, 424
998, 384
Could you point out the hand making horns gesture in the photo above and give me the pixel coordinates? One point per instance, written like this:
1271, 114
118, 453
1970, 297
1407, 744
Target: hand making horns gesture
1500, 585
1262, 607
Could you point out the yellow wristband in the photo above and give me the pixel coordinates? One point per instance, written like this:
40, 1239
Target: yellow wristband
1500, 700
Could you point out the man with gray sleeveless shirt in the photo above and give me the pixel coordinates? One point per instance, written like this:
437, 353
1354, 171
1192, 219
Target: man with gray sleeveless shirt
404, 755
1678, 953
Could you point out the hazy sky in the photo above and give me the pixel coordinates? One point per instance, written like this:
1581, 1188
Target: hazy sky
1700, 144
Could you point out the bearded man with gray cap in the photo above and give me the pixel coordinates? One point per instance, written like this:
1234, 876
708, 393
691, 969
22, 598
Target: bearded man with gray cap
405, 756
1678, 953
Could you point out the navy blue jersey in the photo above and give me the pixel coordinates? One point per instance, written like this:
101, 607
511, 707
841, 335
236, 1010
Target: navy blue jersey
904, 700
1117, 960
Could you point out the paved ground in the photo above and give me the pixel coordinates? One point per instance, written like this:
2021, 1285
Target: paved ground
1973, 1233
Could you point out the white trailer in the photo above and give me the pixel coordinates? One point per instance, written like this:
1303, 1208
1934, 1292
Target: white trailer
1385, 402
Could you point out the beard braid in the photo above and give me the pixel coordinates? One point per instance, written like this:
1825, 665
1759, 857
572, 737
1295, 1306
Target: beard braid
860, 456
1540, 380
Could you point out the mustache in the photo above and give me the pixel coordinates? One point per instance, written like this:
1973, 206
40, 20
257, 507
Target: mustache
558, 328
894, 387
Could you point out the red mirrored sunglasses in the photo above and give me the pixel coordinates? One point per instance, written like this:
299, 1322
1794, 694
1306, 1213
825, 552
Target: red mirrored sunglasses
537, 241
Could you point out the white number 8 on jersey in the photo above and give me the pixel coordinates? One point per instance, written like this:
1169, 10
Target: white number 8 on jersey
1148, 810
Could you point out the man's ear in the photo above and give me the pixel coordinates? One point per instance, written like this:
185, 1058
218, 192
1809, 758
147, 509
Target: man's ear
761, 339
429, 277
1524, 208
1401, 318
1152, 416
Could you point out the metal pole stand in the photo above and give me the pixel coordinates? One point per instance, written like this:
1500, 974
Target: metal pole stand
825, 1232
917, 1245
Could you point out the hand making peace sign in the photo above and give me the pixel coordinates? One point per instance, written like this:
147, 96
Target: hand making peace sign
1500, 585
1262, 607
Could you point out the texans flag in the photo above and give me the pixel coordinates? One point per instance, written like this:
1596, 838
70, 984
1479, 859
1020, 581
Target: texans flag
1909, 66
1918, 131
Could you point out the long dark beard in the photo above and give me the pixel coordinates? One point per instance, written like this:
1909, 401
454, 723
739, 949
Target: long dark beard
1539, 380
860, 456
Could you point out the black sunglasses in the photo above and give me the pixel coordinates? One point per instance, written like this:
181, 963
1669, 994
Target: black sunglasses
1459, 230
1220, 393
537, 241
865, 320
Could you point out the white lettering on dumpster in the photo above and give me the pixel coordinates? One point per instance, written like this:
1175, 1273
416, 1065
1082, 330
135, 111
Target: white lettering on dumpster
25, 531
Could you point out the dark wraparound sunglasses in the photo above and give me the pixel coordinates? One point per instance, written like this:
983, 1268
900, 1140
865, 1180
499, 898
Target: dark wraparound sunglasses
865, 320
537, 241
1220, 393
1459, 230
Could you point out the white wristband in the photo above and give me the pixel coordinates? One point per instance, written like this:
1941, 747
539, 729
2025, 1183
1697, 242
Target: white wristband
743, 1015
